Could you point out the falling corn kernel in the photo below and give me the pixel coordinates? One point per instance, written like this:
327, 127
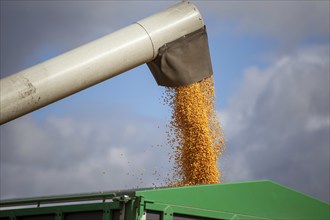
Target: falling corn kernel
195, 133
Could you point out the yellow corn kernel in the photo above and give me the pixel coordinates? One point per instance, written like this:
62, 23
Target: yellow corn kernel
195, 133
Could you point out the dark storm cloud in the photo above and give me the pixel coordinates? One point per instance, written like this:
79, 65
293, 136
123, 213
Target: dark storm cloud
281, 130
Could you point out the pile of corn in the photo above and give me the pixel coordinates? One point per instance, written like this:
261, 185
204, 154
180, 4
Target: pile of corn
195, 134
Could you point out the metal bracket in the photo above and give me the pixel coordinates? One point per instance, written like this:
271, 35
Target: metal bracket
168, 213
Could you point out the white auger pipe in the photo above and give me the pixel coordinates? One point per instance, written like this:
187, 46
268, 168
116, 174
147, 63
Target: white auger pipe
94, 62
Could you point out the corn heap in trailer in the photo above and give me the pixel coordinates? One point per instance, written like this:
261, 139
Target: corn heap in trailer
174, 44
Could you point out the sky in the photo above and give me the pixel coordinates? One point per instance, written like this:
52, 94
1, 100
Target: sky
271, 70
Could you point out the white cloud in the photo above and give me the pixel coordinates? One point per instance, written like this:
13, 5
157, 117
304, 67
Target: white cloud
288, 21
68, 155
315, 123
277, 124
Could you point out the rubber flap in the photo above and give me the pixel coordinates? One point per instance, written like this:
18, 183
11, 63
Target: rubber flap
183, 61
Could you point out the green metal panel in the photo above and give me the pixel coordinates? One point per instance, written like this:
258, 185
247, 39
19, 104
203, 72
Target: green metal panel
63, 211
249, 200
58, 199
259, 199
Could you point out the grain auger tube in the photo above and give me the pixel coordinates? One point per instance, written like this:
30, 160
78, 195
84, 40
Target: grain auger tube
172, 42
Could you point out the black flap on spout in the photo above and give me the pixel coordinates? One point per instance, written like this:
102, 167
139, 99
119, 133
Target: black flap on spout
183, 61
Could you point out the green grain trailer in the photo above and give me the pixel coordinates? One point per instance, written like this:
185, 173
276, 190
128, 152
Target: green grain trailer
247, 200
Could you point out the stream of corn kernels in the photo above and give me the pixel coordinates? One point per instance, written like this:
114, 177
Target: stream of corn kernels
195, 133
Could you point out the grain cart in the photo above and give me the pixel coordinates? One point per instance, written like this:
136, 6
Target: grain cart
248, 200
174, 45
